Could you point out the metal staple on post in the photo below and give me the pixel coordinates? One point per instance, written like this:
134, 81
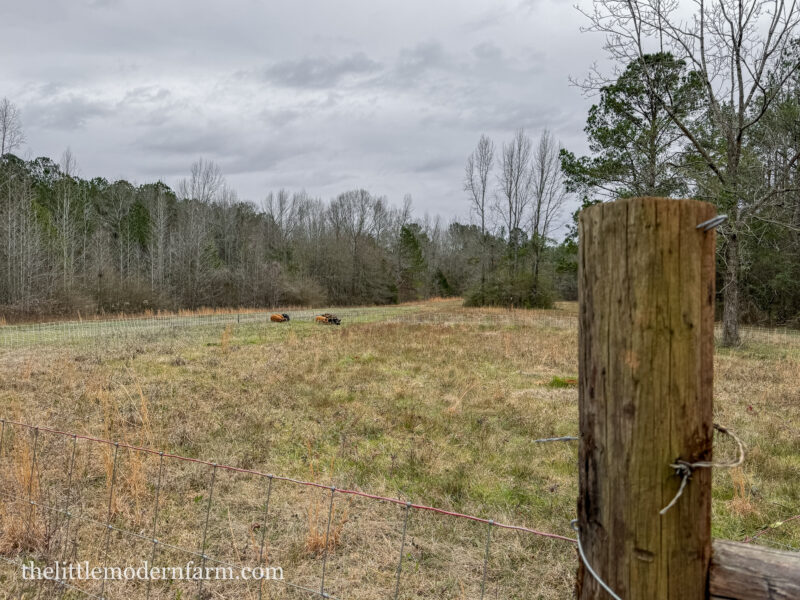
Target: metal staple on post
402, 549
712, 223
325, 550
109, 527
205, 528
155, 517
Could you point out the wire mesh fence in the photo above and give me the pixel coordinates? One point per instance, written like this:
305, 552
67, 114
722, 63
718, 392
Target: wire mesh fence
14, 336
750, 334
74, 499
66, 332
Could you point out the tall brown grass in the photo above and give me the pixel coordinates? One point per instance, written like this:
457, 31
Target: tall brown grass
317, 524
126, 487
741, 503
225, 339
25, 528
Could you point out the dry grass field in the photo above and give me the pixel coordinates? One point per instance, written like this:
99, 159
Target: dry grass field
435, 404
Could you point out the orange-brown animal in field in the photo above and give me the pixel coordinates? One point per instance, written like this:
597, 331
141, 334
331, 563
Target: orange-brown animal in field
328, 319
276, 318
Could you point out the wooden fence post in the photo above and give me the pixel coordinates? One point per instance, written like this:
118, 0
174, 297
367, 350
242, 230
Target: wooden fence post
646, 343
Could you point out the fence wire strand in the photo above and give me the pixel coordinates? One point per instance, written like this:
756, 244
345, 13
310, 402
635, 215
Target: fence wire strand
68, 511
585, 561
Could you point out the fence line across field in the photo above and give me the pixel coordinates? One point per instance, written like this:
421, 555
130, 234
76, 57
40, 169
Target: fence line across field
72, 331
70, 513
69, 331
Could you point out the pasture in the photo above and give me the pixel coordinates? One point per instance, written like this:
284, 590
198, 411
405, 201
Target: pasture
431, 403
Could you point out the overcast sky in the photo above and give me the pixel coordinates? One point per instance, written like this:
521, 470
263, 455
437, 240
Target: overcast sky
317, 95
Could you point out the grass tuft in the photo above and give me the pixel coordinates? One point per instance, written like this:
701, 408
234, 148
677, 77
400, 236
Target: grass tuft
563, 382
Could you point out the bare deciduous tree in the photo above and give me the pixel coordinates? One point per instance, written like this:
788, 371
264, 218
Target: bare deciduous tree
204, 182
11, 134
514, 187
548, 194
195, 247
22, 259
159, 237
738, 47
476, 183
66, 216
354, 215
283, 208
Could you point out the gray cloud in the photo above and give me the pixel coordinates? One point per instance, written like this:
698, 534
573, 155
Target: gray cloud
318, 96
487, 19
319, 72
422, 57
146, 94
190, 140
436, 164
67, 112
488, 52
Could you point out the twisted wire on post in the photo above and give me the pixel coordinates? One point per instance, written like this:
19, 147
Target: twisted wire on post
684, 469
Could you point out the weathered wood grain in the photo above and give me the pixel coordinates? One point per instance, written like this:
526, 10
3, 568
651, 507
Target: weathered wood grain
646, 291
744, 572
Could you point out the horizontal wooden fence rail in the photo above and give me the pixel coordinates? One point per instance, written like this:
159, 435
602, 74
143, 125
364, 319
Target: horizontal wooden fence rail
744, 572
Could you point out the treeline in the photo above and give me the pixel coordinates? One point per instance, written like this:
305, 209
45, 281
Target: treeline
640, 148
517, 194
69, 245
704, 101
